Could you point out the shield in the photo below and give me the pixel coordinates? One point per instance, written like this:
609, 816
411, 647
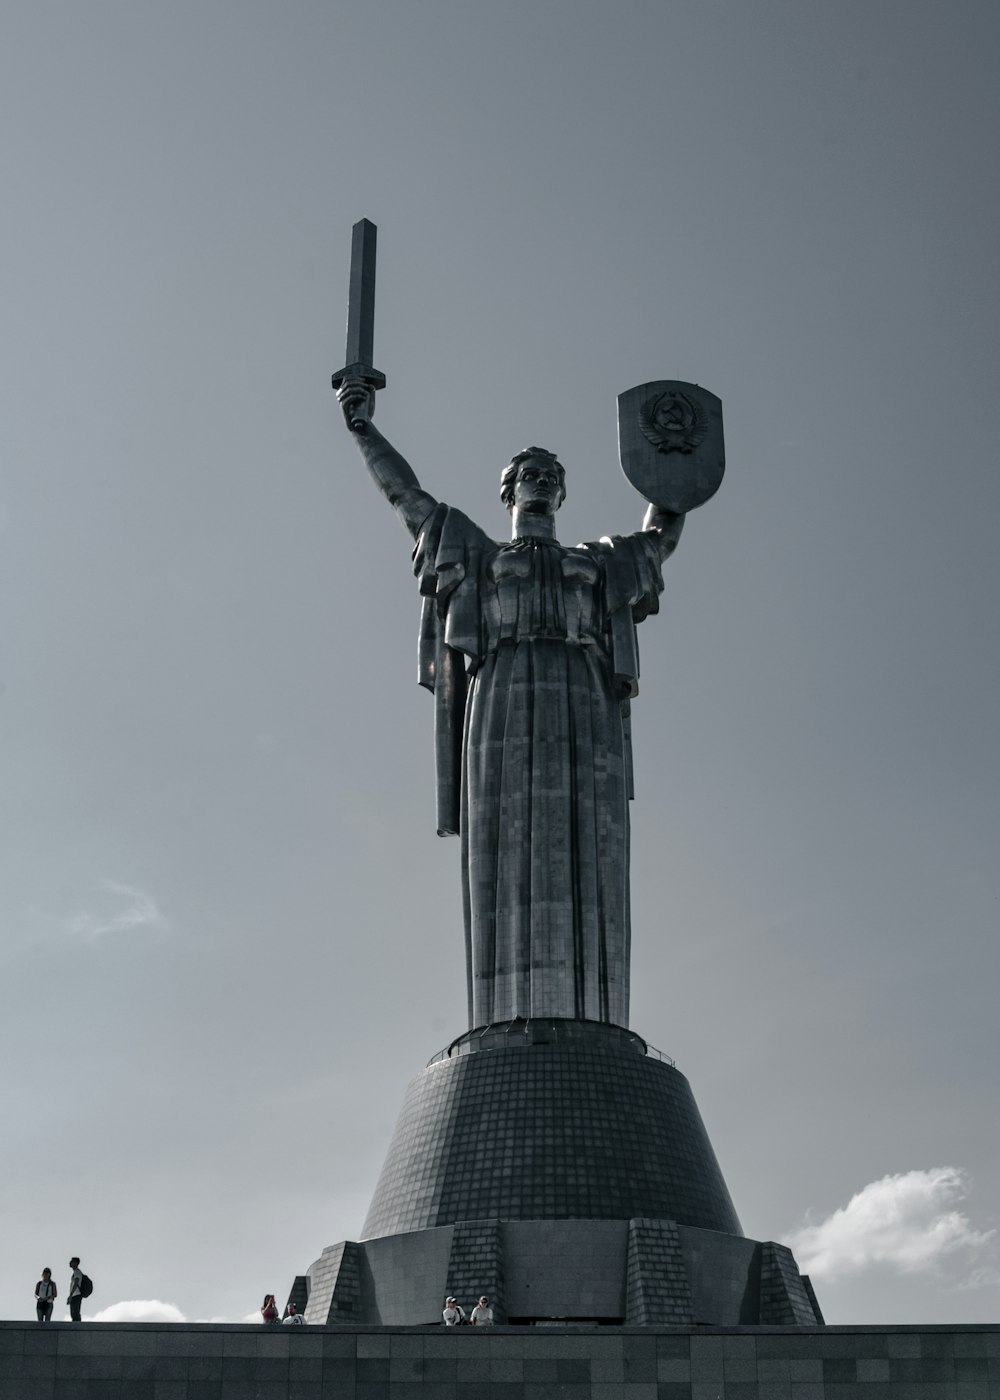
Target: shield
670, 442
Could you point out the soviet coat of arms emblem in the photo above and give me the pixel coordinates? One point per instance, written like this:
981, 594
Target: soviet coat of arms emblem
670, 442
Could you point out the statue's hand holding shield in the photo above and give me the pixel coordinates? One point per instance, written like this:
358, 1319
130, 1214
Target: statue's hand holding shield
670, 443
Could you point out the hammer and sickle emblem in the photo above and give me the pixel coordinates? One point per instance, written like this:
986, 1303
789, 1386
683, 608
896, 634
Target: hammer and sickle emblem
673, 422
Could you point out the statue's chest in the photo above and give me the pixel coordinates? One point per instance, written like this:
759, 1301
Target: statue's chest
543, 591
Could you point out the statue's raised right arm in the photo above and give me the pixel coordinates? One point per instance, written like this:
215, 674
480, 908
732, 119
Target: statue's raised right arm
391, 473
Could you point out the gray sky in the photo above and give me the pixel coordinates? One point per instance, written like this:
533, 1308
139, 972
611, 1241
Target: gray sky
230, 934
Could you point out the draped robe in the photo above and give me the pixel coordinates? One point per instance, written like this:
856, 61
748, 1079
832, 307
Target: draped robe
530, 650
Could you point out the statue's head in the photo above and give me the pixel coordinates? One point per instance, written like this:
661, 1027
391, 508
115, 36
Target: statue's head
534, 480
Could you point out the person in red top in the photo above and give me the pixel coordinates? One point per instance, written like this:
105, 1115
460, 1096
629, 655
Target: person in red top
269, 1309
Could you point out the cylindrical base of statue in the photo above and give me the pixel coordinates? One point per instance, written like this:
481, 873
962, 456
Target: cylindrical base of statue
549, 1120
561, 1168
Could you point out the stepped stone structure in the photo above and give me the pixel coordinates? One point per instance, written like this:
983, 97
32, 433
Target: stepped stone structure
548, 1157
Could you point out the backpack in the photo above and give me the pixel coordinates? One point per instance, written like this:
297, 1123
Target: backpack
86, 1286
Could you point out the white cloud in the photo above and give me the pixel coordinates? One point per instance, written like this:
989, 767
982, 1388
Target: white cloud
139, 1310
116, 908
907, 1221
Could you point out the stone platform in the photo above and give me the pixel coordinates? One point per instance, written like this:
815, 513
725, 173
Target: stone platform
562, 1168
136, 1361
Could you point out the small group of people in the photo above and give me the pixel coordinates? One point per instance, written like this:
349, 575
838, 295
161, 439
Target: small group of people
46, 1293
269, 1313
454, 1314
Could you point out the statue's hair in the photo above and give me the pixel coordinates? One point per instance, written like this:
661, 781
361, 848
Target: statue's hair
509, 474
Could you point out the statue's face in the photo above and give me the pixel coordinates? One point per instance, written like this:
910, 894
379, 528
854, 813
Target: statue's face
537, 487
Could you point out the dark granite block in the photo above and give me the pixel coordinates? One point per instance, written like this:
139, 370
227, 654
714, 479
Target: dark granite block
373, 1344
671, 1345
342, 1344
12, 1339
406, 1345
971, 1368
975, 1390
239, 1344
88, 1367
851, 1344
740, 1370
405, 1368
786, 1346
923, 1369
937, 1344
306, 1390
139, 1368
843, 1368
204, 1368
440, 1368
205, 1389
170, 1368
802, 1371
303, 1369
673, 1390
570, 1369
162, 1390
902, 1344
268, 1390
813, 1390
339, 1390
540, 1370
473, 1368
239, 1369
180, 1343
44, 1339
506, 1369
68, 1388
340, 1370
273, 1343
977, 1344
552, 1390
639, 1368
742, 1390
872, 1368
372, 1370
503, 1390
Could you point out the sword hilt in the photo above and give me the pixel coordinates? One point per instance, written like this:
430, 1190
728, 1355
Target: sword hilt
374, 379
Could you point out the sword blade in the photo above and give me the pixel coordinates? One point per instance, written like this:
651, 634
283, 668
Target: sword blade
361, 297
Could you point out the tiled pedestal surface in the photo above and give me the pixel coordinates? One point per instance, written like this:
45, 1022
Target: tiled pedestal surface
562, 1169
134, 1361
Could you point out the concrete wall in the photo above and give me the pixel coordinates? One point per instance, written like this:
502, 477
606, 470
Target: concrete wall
134, 1361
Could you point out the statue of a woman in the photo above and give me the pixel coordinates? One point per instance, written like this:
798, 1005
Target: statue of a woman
530, 650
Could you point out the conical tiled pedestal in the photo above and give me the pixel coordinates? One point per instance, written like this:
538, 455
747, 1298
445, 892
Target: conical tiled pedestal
561, 1168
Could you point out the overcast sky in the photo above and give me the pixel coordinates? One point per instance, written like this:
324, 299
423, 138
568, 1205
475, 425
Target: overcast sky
230, 934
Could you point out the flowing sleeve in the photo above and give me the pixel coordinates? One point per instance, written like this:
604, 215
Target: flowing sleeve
447, 562
633, 582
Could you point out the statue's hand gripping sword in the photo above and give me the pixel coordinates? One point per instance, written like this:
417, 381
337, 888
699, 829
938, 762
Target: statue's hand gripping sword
361, 318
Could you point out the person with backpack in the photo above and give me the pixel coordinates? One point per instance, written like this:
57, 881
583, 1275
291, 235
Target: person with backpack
80, 1287
45, 1295
75, 1289
453, 1314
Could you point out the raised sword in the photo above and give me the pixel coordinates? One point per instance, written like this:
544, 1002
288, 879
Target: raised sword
361, 317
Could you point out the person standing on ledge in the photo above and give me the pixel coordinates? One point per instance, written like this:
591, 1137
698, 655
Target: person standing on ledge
482, 1313
530, 650
75, 1289
46, 1294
